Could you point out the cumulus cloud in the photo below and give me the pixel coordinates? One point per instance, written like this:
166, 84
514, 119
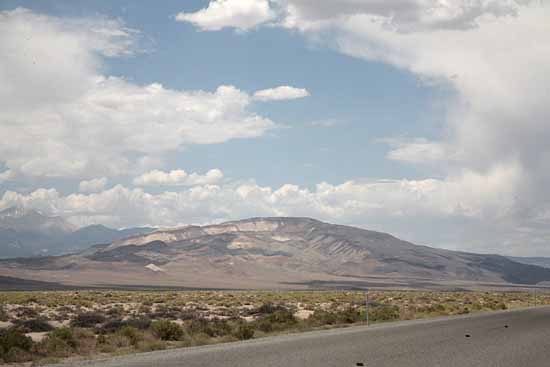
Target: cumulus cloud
280, 93
239, 14
93, 185
72, 121
178, 178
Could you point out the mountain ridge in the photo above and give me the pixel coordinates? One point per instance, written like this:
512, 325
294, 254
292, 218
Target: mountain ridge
272, 252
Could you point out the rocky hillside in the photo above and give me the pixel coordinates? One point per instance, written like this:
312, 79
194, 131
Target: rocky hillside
272, 253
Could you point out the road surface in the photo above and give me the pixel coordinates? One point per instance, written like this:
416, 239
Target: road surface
505, 339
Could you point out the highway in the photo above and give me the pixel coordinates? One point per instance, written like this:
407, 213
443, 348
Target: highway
505, 339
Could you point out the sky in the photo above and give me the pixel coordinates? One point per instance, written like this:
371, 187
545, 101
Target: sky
427, 119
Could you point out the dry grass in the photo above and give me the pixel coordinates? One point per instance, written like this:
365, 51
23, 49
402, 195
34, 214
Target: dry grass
88, 324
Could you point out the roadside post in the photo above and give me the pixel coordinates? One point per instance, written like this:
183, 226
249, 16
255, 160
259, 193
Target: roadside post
367, 306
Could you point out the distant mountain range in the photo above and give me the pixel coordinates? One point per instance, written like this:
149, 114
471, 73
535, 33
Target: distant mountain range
26, 233
272, 253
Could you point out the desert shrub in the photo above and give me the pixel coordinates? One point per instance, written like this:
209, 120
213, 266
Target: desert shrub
140, 323
17, 355
269, 308
282, 317
352, 315
167, 330
322, 317
56, 345
189, 315
132, 334
497, 305
115, 311
112, 342
85, 341
30, 299
348, 316
64, 309
276, 321
218, 328
165, 312
89, 319
384, 313
145, 309
62, 313
3, 313
244, 332
33, 325
26, 313
149, 343
111, 326
103, 344
212, 328
65, 334
14, 345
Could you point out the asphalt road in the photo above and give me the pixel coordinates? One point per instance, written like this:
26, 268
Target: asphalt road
524, 342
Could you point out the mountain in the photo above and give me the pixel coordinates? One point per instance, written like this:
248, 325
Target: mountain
538, 261
25, 220
25, 232
99, 234
273, 253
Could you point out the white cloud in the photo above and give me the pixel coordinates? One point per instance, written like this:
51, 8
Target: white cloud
492, 54
419, 150
497, 116
93, 185
178, 178
280, 93
239, 14
47, 60
72, 121
401, 16
372, 204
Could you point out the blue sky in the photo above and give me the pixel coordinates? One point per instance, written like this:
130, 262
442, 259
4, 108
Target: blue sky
403, 128
359, 98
